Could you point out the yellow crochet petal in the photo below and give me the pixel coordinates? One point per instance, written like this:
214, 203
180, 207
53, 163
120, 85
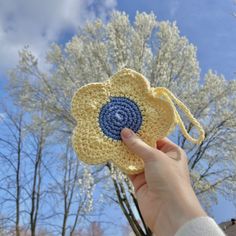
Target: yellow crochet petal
159, 119
132, 164
93, 147
87, 100
87, 137
128, 82
90, 144
126, 160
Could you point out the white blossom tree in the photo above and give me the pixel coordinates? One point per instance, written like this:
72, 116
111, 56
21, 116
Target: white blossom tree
157, 50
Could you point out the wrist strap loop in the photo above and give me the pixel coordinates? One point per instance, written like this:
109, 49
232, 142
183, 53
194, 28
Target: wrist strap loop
170, 97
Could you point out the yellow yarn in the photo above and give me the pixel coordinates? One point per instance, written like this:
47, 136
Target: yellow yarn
169, 95
151, 111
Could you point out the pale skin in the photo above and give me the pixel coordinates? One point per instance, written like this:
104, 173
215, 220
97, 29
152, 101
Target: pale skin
163, 191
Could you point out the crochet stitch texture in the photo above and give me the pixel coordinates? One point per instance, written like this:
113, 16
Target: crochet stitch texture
102, 110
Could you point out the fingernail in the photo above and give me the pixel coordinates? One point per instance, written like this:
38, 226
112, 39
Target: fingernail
126, 133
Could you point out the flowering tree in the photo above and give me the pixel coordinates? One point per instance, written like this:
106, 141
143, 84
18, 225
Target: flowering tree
157, 50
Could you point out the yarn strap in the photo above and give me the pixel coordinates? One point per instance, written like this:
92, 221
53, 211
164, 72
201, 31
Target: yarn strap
170, 97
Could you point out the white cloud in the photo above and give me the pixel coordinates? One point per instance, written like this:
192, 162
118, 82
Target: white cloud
38, 23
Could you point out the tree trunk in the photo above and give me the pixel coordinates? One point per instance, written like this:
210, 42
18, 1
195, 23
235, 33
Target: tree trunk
17, 227
35, 194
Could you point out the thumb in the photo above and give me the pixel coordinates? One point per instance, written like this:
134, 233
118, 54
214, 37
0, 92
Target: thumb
139, 147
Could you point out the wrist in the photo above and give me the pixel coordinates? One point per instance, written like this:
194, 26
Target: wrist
182, 207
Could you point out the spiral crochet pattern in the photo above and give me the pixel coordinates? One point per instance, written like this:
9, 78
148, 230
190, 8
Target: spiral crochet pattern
117, 114
102, 110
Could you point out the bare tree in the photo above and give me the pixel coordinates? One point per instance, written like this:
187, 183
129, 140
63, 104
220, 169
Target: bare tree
35, 191
11, 155
73, 205
35, 186
69, 193
22, 143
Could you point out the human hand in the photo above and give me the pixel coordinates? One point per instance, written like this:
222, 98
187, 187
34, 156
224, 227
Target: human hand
164, 193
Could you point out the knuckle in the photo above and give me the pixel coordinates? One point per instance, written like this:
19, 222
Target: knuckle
182, 153
134, 143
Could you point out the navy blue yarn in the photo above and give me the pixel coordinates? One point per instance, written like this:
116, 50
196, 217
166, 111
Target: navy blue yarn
118, 113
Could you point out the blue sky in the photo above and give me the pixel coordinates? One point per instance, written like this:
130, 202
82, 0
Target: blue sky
209, 25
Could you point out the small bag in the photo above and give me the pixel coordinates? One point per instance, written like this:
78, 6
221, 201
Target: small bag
102, 110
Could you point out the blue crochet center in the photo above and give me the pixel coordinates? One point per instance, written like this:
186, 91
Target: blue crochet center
118, 113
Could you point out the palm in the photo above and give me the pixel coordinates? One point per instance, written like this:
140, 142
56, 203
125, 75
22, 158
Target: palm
147, 199
153, 189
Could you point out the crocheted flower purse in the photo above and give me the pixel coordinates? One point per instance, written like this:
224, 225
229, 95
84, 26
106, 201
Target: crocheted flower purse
102, 110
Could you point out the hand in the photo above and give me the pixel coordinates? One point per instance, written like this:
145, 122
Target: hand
164, 192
